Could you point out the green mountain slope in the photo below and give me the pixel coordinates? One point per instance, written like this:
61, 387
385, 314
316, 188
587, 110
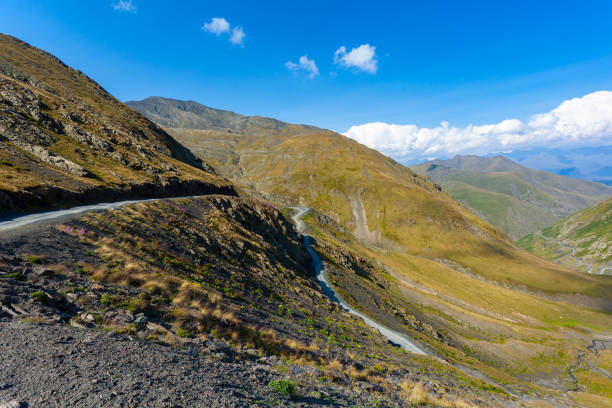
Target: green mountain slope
65, 140
514, 198
442, 275
582, 241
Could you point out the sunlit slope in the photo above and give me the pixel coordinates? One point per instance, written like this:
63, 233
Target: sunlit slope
64, 139
385, 204
512, 197
582, 241
173, 113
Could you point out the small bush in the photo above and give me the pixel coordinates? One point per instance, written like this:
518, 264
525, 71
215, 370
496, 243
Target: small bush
106, 299
7, 163
35, 259
133, 305
39, 296
283, 387
183, 333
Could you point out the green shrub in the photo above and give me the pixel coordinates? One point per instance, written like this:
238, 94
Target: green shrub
35, 259
283, 387
133, 305
39, 296
183, 333
106, 299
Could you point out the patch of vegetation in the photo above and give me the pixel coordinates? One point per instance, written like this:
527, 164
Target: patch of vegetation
284, 387
14, 275
39, 296
106, 299
183, 333
34, 259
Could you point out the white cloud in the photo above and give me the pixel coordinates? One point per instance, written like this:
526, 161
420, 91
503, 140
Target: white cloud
578, 122
124, 5
218, 26
237, 36
304, 64
362, 57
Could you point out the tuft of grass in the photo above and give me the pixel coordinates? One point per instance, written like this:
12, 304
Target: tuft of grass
287, 388
106, 299
14, 275
34, 259
183, 333
39, 296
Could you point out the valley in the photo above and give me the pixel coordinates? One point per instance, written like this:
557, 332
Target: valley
514, 198
581, 241
443, 276
164, 253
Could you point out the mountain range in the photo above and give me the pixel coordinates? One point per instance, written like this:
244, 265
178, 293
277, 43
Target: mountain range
222, 284
515, 198
455, 271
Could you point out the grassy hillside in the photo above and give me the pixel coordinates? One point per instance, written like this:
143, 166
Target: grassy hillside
514, 198
230, 278
64, 139
443, 275
582, 241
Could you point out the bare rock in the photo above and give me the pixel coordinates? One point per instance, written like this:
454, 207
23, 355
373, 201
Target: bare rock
55, 160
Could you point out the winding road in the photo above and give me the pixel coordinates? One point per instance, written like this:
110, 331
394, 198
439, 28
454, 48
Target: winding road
321, 274
393, 336
49, 215
574, 257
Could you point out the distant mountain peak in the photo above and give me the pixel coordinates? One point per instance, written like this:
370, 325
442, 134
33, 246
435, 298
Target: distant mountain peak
174, 113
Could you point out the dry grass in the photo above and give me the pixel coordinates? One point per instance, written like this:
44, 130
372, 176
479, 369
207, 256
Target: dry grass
417, 394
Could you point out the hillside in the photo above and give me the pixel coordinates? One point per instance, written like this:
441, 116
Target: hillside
65, 140
443, 275
512, 197
215, 296
581, 241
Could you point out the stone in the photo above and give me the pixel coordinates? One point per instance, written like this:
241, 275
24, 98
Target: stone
220, 356
141, 321
97, 287
42, 271
215, 346
304, 370
12, 404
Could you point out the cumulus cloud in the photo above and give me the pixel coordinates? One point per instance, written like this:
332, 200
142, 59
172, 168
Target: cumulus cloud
219, 25
578, 122
362, 58
124, 5
304, 64
237, 36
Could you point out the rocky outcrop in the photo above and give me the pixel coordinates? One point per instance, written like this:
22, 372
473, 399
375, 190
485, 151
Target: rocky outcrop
85, 137
55, 160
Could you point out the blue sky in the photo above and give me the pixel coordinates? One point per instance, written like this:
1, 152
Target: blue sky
462, 62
